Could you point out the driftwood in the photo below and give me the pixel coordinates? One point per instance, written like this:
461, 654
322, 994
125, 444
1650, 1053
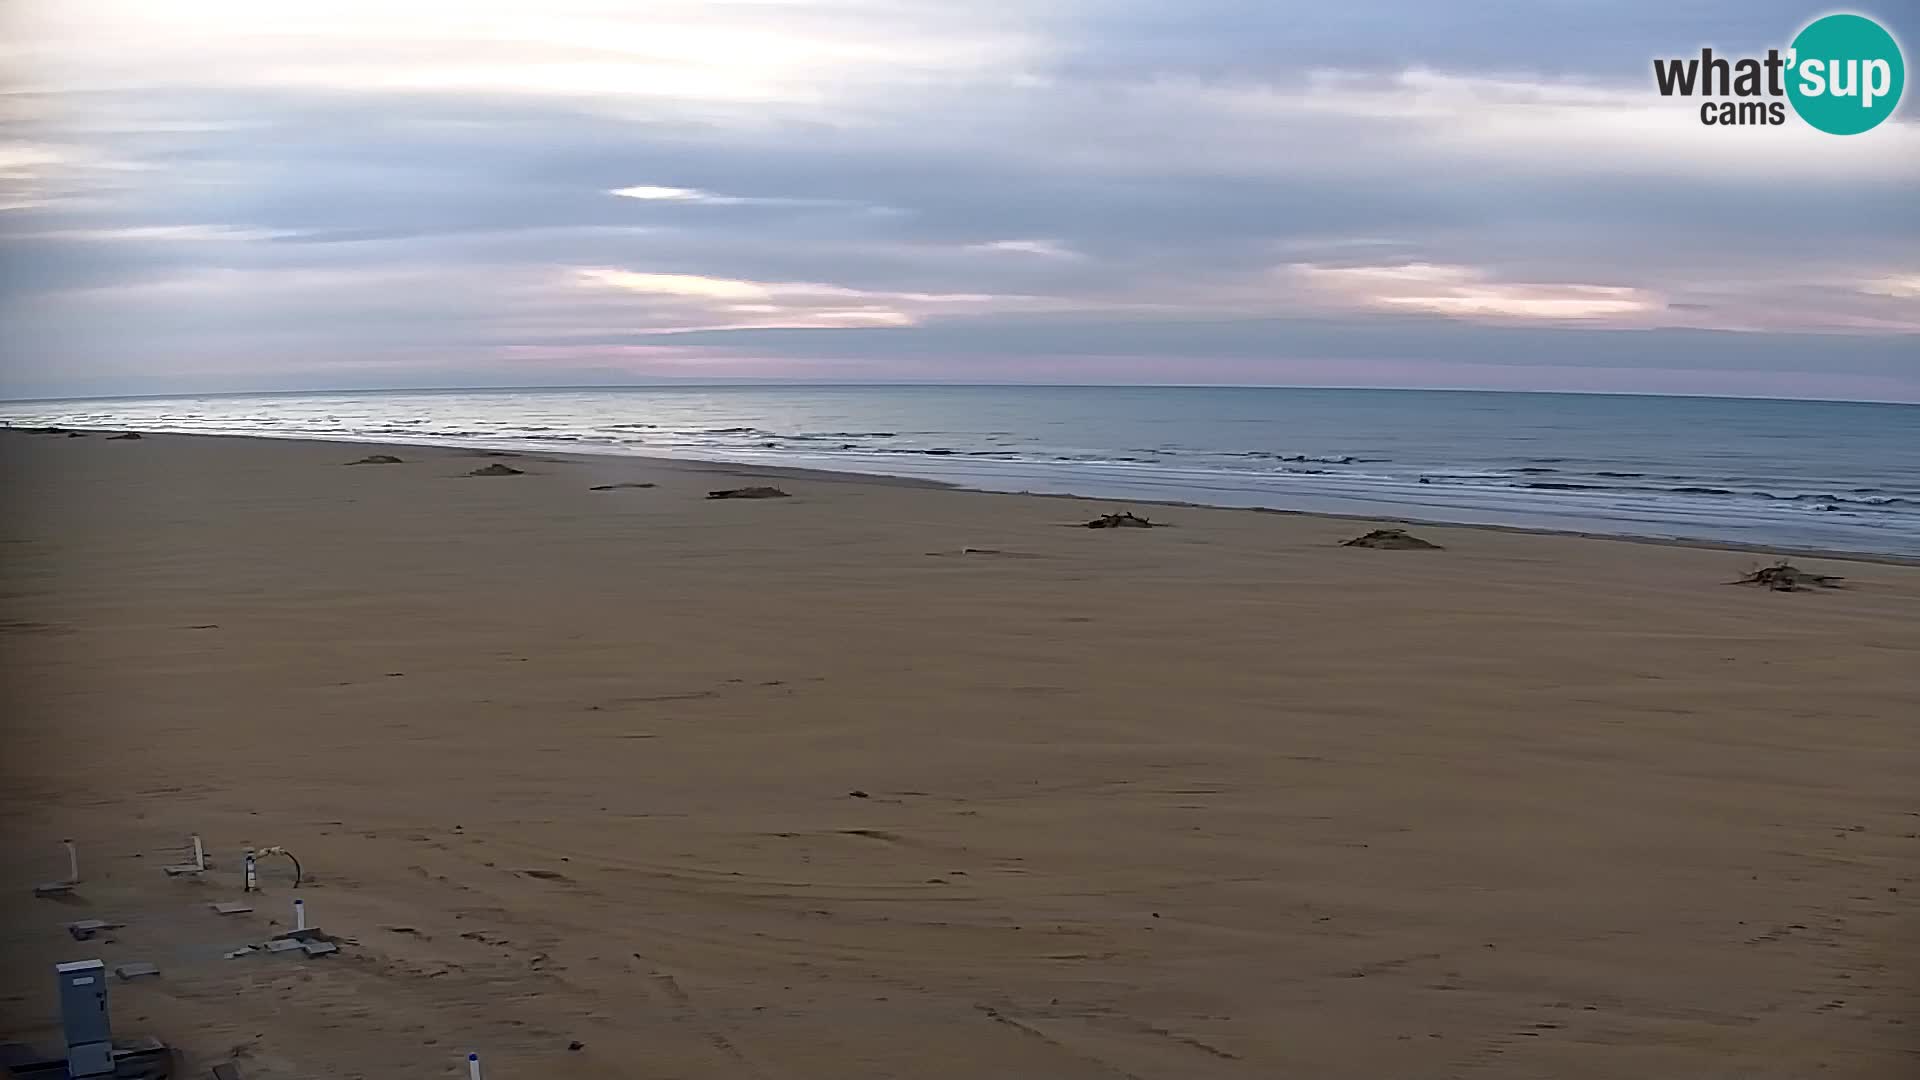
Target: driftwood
748, 493
124, 435
614, 487
377, 459
497, 469
1124, 520
1396, 539
1783, 576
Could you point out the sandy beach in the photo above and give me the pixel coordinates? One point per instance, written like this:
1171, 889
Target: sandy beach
804, 788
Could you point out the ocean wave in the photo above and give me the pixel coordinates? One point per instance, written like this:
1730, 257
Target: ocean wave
1814, 497
1696, 489
1331, 459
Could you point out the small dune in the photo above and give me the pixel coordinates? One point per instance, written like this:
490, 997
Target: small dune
377, 459
748, 493
1393, 539
1786, 577
1125, 520
497, 469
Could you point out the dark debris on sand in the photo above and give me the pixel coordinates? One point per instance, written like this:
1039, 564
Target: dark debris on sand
377, 459
497, 469
1783, 576
616, 487
748, 493
1393, 539
1124, 520
123, 435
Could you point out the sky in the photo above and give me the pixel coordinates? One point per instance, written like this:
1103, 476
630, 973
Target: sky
238, 195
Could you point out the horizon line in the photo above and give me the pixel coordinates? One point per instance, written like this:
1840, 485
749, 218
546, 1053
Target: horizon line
926, 384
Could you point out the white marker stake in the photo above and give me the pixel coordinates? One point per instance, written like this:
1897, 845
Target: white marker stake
473, 1067
73, 862
199, 854
251, 881
299, 914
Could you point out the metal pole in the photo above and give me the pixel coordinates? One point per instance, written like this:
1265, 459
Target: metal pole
473, 1067
199, 853
73, 862
251, 881
299, 914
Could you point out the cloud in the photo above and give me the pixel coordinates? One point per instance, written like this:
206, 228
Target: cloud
677, 284
1045, 249
1465, 291
667, 194
694, 301
1902, 286
282, 193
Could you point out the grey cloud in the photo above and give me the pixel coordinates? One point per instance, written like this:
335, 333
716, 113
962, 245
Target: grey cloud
490, 196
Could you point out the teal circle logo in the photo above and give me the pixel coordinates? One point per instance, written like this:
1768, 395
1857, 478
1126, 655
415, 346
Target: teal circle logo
1845, 74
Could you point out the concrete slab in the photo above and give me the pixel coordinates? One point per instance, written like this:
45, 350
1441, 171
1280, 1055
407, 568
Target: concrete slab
320, 948
136, 970
83, 929
280, 945
231, 908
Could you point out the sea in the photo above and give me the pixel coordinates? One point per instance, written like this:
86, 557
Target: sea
1794, 475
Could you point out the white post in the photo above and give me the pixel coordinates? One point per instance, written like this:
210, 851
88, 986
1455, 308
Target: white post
473, 1067
199, 853
299, 914
251, 881
73, 862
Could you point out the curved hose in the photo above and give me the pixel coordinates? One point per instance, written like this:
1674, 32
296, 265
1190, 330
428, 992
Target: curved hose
298, 874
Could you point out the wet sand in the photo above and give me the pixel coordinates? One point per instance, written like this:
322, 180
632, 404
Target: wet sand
1223, 799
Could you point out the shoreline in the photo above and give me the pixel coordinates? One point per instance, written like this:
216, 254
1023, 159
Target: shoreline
735, 468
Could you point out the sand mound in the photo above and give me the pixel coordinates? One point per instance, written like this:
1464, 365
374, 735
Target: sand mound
1785, 577
1127, 520
497, 469
123, 435
748, 493
377, 459
1397, 539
